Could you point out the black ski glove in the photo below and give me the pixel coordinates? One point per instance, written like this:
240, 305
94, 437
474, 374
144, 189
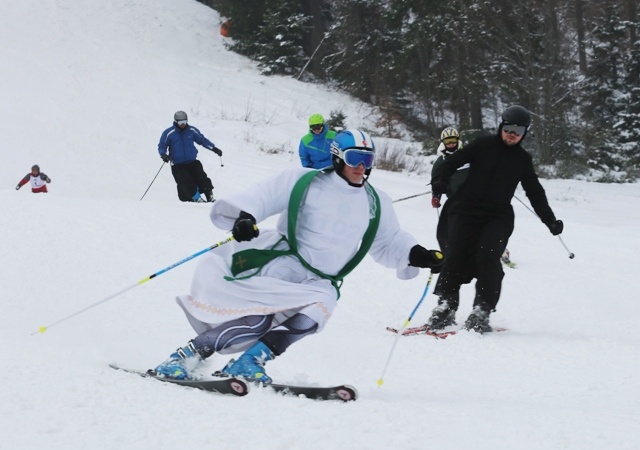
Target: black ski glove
216, 150
421, 257
556, 227
18, 187
245, 228
165, 158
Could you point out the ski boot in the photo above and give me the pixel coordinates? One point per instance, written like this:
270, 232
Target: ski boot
478, 320
209, 196
197, 198
250, 365
442, 316
180, 363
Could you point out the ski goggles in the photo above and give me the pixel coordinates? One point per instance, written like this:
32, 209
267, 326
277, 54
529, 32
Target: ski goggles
316, 127
518, 130
353, 157
450, 140
181, 122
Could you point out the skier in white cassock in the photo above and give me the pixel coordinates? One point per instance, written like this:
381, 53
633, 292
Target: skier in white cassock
264, 295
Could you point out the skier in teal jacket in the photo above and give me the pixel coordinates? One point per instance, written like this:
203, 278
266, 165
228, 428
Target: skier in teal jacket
315, 146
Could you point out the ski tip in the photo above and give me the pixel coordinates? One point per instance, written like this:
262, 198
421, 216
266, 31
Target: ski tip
380, 382
41, 330
347, 393
239, 387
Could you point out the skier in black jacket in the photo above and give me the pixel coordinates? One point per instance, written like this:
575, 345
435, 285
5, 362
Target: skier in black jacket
481, 218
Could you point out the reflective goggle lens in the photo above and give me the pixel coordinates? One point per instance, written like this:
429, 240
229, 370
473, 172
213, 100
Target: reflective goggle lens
451, 140
518, 130
317, 127
354, 157
181, 122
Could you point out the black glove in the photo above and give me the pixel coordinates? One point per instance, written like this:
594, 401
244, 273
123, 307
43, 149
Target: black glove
45, 178
421, 257
216, 150
245, 228
18, 187
438, 187
556, 227
165, 158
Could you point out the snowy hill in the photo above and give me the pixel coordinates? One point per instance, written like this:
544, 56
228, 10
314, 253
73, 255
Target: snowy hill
87, 88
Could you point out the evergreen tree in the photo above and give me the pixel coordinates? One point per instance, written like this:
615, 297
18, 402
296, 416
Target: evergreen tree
427, 64
629, 125
363, 61
603, 92
268, 31
279, 44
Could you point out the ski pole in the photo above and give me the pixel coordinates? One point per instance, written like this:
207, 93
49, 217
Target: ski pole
523, 204
144, 280
154, 179
221, 165
571, 254
404, 327
411, 196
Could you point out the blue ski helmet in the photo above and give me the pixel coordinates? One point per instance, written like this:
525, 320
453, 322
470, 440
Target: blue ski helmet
363, 151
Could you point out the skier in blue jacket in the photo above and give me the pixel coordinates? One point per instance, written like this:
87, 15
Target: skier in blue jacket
177, 146
315, 146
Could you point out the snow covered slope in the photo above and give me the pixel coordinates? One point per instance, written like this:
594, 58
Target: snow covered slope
88, 86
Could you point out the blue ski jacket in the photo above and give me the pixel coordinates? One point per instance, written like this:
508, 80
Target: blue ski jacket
180, 143
315, 149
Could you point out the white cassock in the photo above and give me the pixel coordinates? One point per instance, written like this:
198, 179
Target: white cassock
332, 220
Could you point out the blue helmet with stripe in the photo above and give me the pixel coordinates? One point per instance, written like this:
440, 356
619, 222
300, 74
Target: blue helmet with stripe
352, 147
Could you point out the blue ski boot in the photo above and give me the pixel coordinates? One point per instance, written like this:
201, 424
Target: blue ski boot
180, 363
250, 365
196, 197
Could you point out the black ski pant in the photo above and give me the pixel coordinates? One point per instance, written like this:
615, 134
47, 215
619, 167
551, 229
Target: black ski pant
478, 240
191, 177
442, 235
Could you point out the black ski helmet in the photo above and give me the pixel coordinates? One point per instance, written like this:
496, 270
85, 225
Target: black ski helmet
180, 115
517, 115
35, 167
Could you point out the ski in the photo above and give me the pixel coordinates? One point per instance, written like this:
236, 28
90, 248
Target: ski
410, 331
446, 334
226, 386
237, 387
343, 392
506, 260
424, 329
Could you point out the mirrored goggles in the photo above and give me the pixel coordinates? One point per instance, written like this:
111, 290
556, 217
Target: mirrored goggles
450, 140
181, 122
317, 127
518, 130
353, 157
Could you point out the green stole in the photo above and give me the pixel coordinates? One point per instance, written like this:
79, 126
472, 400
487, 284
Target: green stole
257, 258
